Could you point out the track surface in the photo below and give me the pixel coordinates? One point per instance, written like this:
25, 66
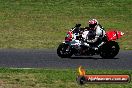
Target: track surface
49, 59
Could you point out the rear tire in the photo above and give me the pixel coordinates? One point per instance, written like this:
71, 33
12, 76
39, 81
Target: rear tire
64, 51
109, 50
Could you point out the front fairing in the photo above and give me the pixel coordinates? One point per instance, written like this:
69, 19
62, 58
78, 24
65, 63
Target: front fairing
73, 42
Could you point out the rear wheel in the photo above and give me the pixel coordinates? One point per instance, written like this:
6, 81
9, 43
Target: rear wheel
64, 51
109, 50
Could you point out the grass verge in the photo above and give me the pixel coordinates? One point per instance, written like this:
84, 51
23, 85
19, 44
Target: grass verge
49, 78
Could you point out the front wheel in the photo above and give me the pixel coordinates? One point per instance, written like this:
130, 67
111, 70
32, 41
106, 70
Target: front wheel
64, 51
109, 50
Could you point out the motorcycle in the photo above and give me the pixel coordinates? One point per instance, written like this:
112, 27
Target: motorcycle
73, 45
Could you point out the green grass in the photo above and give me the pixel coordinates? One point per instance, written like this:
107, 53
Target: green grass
43, 23
49, 78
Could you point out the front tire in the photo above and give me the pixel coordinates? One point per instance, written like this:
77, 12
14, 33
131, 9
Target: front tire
109, 50
64, 51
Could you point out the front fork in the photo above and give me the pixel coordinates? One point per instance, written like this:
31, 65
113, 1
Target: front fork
69, 45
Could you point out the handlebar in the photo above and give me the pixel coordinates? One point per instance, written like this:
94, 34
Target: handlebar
77, 25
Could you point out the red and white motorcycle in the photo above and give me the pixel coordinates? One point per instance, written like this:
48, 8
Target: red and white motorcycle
109, 48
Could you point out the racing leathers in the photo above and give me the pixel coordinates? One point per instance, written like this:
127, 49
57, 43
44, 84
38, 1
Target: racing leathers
92, 36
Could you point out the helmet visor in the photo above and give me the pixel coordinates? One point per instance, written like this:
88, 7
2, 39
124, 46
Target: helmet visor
92, 25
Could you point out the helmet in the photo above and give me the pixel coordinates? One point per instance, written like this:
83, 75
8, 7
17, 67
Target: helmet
93, 23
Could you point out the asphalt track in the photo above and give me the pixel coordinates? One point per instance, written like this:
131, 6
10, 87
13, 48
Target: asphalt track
33, 58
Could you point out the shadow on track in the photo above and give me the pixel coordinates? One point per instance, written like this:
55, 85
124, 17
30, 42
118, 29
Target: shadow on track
85, 57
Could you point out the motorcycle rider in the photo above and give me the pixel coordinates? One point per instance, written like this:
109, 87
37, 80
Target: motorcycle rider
95, 34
